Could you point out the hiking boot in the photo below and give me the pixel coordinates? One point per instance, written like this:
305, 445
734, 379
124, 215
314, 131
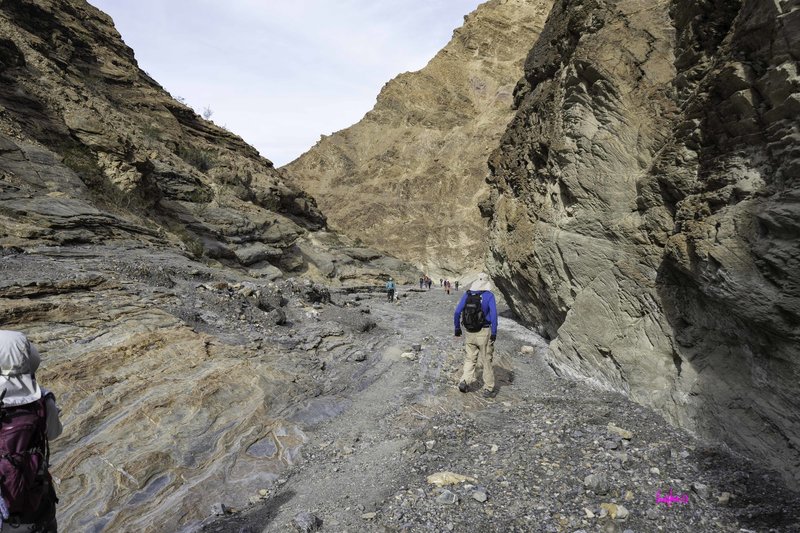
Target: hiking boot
462, 386
489, 393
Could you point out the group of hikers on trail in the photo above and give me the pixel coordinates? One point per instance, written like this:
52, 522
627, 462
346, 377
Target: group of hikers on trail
426, 282
29, 418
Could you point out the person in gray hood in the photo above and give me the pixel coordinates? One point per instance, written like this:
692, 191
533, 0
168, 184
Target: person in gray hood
29, 418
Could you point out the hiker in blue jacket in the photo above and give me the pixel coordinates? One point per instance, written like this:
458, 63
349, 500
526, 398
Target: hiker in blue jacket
480, 322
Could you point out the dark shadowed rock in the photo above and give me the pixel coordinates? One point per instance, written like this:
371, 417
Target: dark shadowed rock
306, 522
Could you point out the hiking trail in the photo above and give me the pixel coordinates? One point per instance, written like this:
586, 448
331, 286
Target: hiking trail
546, 454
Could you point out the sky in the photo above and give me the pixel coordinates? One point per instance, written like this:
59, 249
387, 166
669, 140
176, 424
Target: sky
280, 73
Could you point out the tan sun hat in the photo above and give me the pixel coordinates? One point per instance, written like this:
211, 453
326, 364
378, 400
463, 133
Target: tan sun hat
19, 360
483, 283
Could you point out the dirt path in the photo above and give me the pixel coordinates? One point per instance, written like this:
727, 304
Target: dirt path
541, 453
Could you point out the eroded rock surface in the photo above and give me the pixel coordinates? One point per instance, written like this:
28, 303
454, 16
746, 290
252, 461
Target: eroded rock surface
408, 177
180, 384
645, 212
153, 258
92, 148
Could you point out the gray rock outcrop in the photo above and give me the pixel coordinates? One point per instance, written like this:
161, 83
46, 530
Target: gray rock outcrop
93, 148
154, 259
645, 210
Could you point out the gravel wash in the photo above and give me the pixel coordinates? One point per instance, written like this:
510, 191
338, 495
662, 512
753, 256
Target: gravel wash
547, 454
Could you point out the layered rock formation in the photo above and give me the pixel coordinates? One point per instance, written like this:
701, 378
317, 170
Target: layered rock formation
138, 161
141, 249
407, 178
645, 214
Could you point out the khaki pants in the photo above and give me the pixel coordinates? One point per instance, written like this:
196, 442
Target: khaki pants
478, 346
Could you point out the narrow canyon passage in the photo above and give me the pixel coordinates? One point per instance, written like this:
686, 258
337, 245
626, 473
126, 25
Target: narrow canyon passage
546, 454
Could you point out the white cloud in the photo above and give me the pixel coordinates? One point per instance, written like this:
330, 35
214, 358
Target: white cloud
280, 73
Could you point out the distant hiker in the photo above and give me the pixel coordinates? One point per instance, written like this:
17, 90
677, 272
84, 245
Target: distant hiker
28, 419
456, 284
421, 281
447, 286
441, 281
390, 290
477, 312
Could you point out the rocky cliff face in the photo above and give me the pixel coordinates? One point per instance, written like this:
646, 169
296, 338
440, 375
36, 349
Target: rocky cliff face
645, 209
122, 156
142, 250
408, 177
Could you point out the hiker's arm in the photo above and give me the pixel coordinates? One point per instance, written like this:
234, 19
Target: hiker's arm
492, 314
457, 314
54, 427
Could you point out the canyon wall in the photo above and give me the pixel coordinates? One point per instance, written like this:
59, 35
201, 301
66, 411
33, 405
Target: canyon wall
645, 210
408, 177
153, 258
75, 103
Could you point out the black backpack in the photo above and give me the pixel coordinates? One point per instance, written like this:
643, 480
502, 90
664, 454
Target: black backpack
472, 316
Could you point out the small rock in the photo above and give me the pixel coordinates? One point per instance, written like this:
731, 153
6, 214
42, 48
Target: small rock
263, 493
655, 471
652, 514
446, 497
589, 513
495, 447
598, 483
628, 496
359, 356
724, 498
577, 434
448, 478
369, 516
701, 489
411, 356
526, 350
218, 509
610, 445
624, 433
480, 496
416, 347
306, 522
615, 511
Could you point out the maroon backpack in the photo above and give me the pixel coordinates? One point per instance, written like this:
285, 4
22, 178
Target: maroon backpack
24, 456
